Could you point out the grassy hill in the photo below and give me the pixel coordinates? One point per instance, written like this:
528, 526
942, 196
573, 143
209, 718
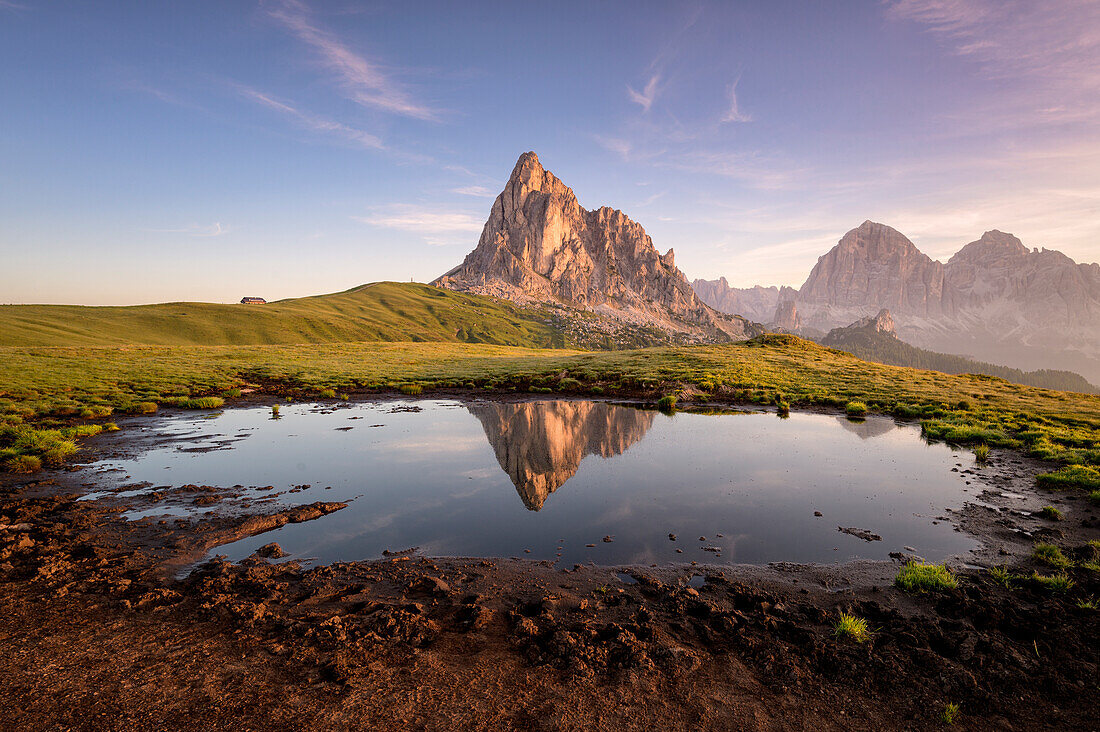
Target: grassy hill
872, 345
383, 311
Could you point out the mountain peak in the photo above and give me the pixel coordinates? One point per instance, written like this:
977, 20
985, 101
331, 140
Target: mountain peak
875, 264
881, 323
992, 247
540, 246
528, 166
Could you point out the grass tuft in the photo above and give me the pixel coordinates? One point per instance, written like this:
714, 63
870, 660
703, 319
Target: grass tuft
981, 454
411, 389
24, 464
1050, 555
950, 713
1001, 576
1050, 512
917, 577
327, 393
855, 409
667, 403
210, 402
1082, 477
850, 626
1055, 583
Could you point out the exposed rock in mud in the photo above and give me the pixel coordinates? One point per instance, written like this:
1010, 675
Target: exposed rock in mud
259, 524
271, 551
859, 533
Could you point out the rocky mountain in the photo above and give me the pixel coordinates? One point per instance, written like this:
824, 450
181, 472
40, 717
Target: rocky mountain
872, 264
540, 246
755, 303
786, 318
995, 299
875, 339
883, 324
540, 445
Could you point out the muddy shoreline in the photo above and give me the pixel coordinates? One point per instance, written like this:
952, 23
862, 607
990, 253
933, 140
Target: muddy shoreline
99, 630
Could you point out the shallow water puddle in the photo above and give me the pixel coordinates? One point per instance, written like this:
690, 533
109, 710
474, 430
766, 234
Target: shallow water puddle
574, 481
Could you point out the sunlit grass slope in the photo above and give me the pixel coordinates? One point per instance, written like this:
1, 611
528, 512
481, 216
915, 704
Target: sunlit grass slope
38, 385
384, 311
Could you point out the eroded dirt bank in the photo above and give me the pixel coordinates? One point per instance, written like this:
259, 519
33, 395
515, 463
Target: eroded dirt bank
97, 632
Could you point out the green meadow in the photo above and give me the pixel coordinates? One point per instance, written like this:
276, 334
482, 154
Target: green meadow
415, 339
383, 311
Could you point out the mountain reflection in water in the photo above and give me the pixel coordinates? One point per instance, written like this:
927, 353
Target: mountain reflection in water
540, 445
867, 428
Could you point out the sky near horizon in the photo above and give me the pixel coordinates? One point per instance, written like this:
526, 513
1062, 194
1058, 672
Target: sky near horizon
155, 152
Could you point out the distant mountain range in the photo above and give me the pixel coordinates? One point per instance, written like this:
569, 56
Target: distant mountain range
994, 300
540, 247
606, 285
875, 339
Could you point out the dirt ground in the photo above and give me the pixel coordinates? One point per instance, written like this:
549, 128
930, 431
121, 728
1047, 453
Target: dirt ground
99, 629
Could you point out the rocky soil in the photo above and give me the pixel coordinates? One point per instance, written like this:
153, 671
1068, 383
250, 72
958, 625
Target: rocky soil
101, 626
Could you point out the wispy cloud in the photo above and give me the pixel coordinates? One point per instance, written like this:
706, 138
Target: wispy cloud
617, 145
439, 228
647, 95
1051, 49
198, 230
667, 51
734, 113
314, 123
753, 169
476, 191
364, 82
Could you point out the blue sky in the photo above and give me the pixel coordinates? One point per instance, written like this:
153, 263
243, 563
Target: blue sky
207, 150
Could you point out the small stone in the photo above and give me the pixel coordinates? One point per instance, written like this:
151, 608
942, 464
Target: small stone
271, 551
432, 584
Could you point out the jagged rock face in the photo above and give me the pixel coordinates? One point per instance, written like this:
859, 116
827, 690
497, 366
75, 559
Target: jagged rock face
995, 300
539, 245
875, 265
1046, 287
755, 303
881, 323
540, 445
787, 317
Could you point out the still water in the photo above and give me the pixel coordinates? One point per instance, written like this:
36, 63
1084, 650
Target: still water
546, 479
